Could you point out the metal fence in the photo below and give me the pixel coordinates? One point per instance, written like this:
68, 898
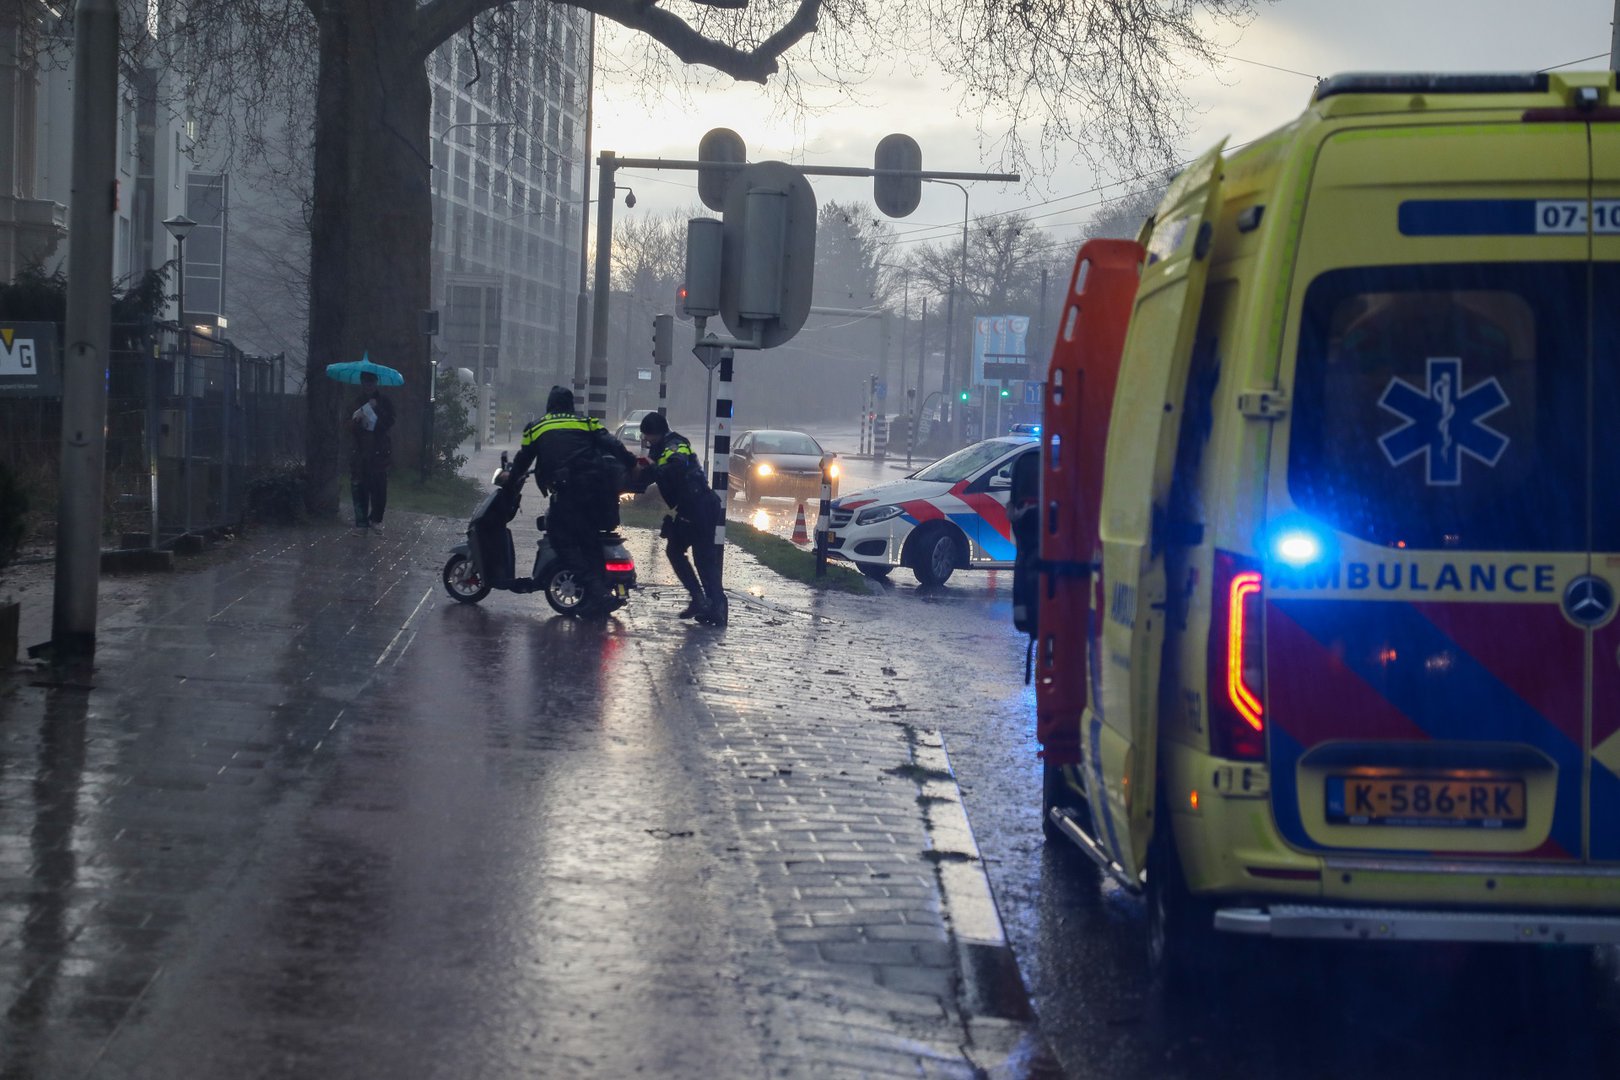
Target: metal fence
191, 420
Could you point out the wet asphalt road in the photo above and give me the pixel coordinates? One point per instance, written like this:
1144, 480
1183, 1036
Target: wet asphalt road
308, 817
511, 845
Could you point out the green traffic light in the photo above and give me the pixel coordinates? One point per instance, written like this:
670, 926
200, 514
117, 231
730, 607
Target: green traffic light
1004, 393
964, 395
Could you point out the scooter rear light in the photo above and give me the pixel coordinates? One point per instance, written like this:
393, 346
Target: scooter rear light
626, 567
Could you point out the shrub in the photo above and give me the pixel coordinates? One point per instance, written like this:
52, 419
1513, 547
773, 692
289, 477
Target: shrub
276, 493
454, 407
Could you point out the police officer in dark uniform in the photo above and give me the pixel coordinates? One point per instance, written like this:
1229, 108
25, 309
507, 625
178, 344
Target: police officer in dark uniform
582, 467
698, 514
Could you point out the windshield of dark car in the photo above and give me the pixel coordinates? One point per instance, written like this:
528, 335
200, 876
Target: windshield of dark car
964, 463
785, 442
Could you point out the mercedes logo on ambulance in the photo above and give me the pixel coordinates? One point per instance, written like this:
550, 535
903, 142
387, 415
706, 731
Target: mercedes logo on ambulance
1588, 600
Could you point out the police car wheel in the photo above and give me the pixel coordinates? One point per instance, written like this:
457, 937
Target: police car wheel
462, 582
934, 555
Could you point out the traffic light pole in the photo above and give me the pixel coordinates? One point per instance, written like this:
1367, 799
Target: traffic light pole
663, 355
608, 164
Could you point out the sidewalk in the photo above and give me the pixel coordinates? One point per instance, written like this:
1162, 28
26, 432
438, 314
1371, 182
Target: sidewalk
308, 817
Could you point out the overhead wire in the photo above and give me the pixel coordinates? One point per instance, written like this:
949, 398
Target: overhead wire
924, 233
927, 233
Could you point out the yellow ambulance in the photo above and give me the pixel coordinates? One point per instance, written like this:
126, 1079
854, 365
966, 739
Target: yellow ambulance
1326, 642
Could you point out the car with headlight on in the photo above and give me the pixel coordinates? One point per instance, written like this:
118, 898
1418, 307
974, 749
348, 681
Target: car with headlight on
629, 433
948, 516
769, 463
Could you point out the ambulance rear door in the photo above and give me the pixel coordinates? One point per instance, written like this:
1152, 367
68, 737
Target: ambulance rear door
1121, 727
1598, 595
1428, 499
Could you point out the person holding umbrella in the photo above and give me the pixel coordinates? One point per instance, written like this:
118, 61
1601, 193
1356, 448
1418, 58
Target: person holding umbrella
370, 421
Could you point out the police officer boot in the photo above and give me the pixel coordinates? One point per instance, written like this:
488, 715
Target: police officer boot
715, 613
689, 579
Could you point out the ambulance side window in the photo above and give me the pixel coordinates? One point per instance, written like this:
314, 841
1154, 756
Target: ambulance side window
1198, 407
1444, 406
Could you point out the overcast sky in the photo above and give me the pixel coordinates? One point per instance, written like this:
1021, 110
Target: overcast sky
1242, 100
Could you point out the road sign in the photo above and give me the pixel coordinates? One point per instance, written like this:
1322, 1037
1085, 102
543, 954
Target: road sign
882, 390
1034, 393
999, 340
999, 371
28, 365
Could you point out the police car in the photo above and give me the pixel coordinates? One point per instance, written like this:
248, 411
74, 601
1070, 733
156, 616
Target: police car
949, 516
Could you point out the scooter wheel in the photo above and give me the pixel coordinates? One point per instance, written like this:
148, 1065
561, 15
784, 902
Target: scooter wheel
563, 591
462, 582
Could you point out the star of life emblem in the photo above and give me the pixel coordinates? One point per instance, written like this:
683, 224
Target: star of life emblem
1443, 422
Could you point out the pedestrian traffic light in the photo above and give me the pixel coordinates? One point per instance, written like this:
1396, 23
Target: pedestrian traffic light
663, 340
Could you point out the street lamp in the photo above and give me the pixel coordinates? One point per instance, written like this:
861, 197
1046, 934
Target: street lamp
180, 227
905, 321
950, 329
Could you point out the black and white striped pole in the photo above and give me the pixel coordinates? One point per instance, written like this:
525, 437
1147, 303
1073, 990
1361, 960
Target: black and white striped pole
823, 517
722, 449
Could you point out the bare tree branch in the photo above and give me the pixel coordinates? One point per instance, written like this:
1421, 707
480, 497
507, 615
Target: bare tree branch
438, 21
691, 45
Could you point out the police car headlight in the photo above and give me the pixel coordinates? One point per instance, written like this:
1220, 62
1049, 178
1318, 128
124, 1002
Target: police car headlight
763, 469
874, 514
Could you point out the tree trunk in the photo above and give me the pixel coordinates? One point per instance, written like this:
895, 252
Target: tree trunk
371, 232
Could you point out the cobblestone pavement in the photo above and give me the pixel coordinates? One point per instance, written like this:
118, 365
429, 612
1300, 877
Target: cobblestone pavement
310, 817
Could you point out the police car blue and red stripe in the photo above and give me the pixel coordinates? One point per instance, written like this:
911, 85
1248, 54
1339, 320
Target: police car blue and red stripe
948, 516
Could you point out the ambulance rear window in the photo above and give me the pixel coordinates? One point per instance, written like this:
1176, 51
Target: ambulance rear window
1444, 406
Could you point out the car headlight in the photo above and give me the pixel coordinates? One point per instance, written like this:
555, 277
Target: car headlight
874, 514
763, 469
832, 471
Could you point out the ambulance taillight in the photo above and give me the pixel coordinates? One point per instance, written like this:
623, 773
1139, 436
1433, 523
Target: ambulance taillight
1237, 715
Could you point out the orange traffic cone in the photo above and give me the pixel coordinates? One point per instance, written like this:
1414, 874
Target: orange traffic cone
800, 536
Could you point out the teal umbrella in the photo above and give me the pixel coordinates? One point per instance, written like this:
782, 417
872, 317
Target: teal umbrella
350, 372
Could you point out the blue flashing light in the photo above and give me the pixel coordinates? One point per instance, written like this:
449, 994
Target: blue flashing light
1297, 547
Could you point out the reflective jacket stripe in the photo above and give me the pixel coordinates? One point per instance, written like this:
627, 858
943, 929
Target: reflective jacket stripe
678, 448
560, 422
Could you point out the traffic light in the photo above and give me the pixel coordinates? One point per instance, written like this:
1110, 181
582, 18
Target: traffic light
663, 340
680, 303
719, 145
966, 394
897, 196
1004, 392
